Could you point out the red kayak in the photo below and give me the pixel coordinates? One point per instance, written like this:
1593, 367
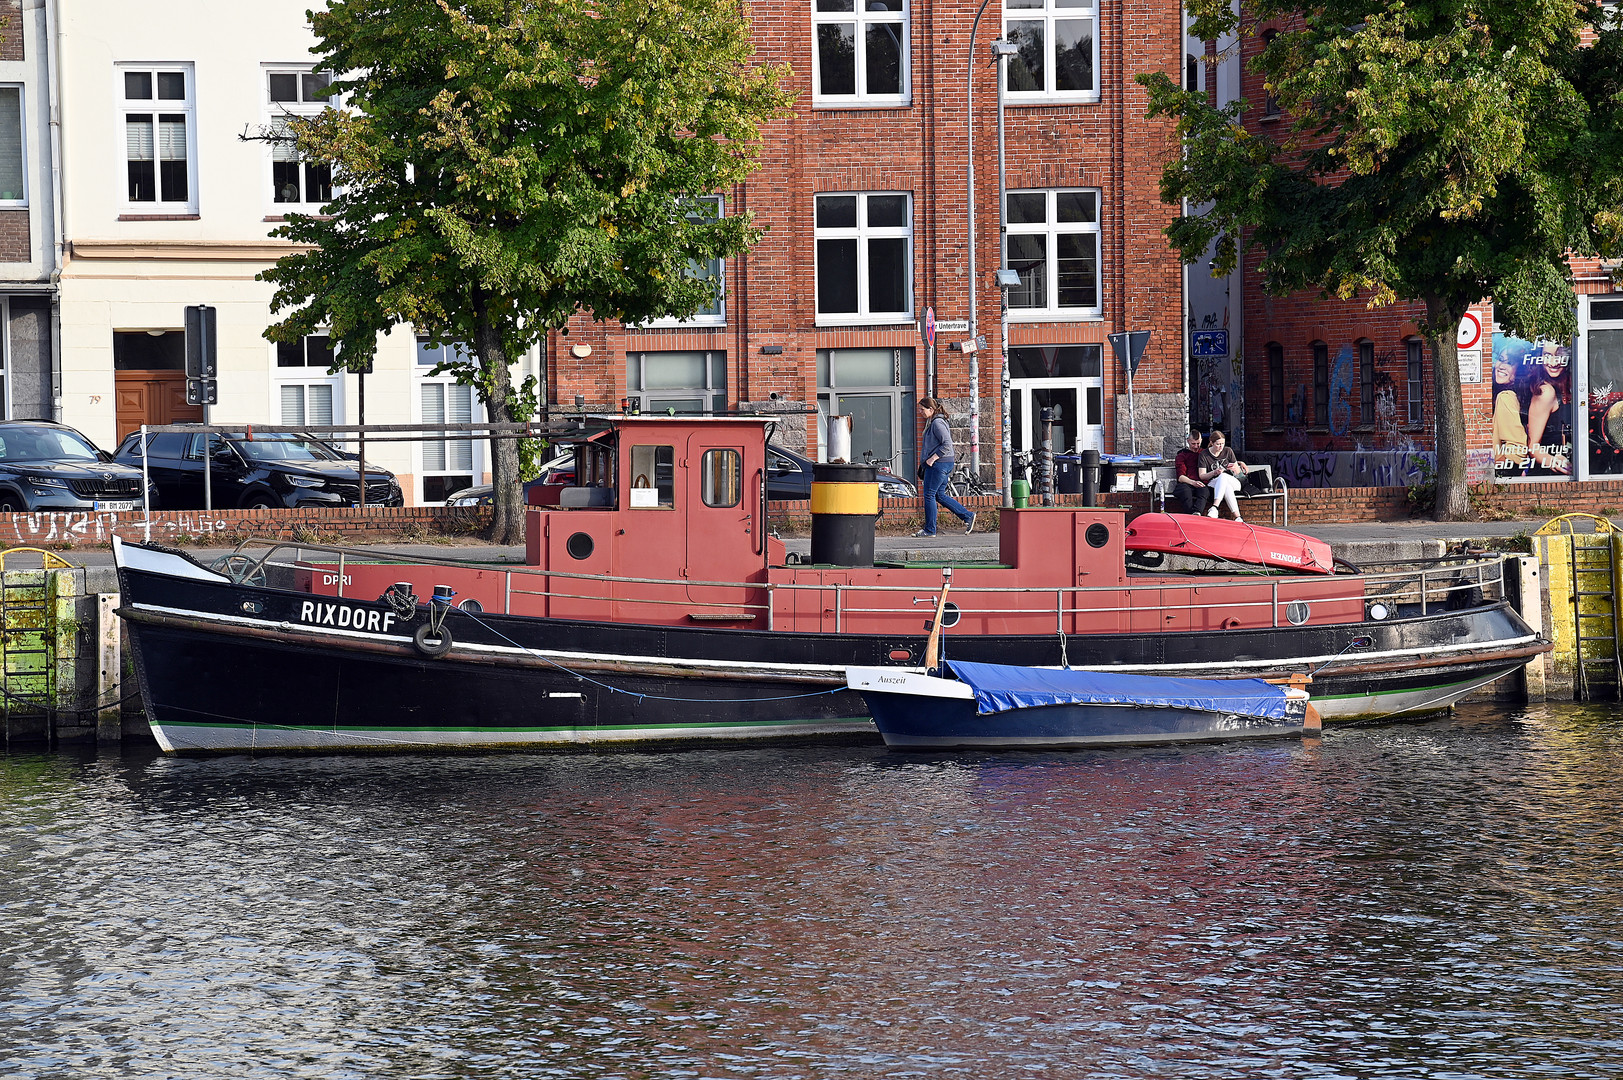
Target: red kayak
1234, 541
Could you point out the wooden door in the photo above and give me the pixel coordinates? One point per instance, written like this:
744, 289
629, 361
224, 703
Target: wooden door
152, 397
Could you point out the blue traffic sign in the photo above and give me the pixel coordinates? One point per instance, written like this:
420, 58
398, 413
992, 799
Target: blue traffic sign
1209, 343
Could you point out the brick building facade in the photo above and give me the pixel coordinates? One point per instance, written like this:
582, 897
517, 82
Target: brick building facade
1338, 395
864, 194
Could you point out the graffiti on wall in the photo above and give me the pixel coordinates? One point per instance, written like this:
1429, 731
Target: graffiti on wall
1350, 468
1341, 390
92, 528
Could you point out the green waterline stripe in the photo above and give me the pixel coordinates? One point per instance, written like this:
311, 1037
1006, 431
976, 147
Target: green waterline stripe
1410, 690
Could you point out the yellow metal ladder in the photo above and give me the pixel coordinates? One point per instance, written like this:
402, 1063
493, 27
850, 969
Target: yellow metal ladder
1594, 585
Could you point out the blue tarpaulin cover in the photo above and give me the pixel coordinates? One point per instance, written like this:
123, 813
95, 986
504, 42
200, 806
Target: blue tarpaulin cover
1002, 687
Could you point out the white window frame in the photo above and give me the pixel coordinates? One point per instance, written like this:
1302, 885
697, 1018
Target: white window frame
719, 316
156, 106
1049, 12
862, 20
276, 115
305, 376
21, 201
476, 412
1052, 229
863, 233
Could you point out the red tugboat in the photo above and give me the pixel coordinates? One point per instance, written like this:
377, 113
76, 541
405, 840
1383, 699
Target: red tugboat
656, 607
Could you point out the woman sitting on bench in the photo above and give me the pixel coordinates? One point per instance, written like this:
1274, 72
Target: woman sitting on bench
1223, 474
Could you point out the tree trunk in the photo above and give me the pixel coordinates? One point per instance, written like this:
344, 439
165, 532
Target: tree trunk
1453, 502
507, 521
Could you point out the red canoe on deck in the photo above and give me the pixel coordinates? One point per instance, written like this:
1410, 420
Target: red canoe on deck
1234, 541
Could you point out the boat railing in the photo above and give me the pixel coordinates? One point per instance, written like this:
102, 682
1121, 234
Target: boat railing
1424, 588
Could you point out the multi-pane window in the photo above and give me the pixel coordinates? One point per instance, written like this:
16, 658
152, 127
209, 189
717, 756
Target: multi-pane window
1366, 382
1321, 384
159, 116
1276, 383
1054, 248
448, 465
692, 383
1270, 104
1417, 388
306, 389
294, 181
13, 191
1058, 49
861, 52
864, 257
715, 313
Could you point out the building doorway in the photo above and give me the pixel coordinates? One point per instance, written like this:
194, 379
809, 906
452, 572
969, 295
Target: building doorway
1067, 378
149, 380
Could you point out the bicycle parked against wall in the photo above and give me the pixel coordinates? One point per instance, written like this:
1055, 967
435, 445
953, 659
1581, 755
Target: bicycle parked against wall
965, 482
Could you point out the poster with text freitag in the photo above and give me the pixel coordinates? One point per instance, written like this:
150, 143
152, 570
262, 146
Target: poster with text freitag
1532, 408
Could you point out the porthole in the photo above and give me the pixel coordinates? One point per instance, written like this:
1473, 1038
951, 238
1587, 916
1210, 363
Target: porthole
1296, 612
950, 614
579, 546
1097, 535
472, 605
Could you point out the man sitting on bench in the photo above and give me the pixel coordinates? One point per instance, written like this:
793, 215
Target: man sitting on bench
1192, 492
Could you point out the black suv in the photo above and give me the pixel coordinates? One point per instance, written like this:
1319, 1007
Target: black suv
46, 466
272, 470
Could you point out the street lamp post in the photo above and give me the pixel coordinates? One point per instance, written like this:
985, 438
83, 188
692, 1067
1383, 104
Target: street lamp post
974, 321
1002, 49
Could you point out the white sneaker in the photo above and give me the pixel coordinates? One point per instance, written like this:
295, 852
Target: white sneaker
1211, 511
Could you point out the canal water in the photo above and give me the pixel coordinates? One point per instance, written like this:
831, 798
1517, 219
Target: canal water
1434, 900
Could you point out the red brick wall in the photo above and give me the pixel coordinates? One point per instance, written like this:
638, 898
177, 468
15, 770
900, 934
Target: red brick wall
922, 148
14, 245
11, 30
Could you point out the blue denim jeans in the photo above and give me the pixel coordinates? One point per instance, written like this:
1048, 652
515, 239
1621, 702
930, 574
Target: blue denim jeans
935, 478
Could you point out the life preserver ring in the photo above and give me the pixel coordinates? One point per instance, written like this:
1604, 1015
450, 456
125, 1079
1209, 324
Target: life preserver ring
439, 645
641, 481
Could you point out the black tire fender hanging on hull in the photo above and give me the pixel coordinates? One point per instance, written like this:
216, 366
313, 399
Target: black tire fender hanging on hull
433, 642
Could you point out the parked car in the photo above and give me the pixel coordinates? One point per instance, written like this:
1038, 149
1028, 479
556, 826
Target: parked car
559, 470
789, 476
46, 466
266, 471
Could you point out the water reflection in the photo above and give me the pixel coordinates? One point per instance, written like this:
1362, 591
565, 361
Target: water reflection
1392, 901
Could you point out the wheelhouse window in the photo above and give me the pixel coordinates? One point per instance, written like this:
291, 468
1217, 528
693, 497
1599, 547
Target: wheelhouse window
1058, 49
860, 52
296, 184
13, 172
721, 474
653, 477
864, 257
159, 120
1053, 239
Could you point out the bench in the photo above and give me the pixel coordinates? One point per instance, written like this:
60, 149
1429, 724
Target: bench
1272, 488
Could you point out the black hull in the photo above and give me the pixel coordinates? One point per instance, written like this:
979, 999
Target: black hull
231, 667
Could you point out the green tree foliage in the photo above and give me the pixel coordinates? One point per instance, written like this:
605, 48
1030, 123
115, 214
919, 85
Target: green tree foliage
1439, 151
500, 165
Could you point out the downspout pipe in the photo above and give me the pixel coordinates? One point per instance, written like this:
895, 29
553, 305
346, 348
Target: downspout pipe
59, 214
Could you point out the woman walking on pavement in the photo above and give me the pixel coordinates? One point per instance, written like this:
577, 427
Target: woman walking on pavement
935, 465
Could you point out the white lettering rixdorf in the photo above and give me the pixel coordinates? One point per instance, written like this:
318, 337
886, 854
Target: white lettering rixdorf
345, 617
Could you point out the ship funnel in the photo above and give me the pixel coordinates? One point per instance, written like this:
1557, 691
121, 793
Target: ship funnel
845, 509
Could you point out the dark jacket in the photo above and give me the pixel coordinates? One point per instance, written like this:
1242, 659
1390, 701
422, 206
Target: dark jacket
937, 441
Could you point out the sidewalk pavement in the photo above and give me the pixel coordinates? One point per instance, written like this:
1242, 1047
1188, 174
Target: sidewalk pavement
1354, 541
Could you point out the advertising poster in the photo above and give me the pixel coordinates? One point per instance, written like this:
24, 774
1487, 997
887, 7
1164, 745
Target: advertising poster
1606, 402
1532, 408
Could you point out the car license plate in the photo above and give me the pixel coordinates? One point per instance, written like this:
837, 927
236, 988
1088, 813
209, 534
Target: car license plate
115, 504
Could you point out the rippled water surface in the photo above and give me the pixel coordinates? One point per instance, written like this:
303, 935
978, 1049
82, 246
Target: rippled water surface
1437, 900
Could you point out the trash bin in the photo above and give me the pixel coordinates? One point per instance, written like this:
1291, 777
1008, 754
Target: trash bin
1067, 477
